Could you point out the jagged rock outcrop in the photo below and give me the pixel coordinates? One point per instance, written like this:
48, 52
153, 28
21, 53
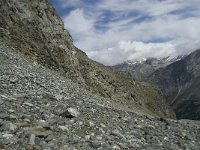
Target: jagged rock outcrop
34, 28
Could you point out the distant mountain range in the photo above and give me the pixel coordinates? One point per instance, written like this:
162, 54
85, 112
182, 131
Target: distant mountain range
178, 79
140, 70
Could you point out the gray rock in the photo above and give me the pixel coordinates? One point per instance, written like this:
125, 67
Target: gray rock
116, 147
43, 124
9, 126
38, 131
95, 144
7, 135
70, 113
1, 101
27, 104
32, 140
49, 138
63, 128
87, 137
4, 116
117, 133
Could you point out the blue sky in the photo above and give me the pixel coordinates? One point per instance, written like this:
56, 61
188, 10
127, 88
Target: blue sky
113, 31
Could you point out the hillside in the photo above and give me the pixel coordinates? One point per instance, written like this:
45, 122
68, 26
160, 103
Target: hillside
34, 29
39, 109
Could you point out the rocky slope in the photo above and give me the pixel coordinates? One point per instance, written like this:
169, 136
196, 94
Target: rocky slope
180, 83
34, 29
39, 109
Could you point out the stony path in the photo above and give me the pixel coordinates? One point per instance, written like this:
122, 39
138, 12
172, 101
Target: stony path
41, 110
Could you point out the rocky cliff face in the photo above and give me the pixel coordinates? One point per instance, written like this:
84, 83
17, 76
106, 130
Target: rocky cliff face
33, 28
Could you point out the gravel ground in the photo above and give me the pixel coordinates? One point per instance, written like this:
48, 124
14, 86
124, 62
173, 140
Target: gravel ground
39, 109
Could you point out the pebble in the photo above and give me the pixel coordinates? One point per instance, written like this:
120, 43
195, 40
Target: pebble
11, 110
117, 133
63, 128
95, 144
7, 135
49, 138
70, 113
116, 147
1, 101
32, 139
27, 120
43, 124
3, 115
99, 138
12, 117
10, 126
1, 122
87, 137
38, 131
102, 125
27, 104
91, 124
74, 112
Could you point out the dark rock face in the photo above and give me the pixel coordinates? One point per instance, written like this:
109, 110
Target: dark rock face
34, 29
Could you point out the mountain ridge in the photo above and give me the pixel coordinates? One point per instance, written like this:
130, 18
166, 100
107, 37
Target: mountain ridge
178, 80
140, 70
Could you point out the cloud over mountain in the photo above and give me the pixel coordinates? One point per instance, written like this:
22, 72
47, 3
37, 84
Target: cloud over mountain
150, 28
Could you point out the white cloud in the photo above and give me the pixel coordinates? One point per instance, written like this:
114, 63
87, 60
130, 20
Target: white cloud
78, 23
150, 7
112, 45
127, 50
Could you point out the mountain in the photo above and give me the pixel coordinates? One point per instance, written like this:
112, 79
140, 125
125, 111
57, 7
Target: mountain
140, 70
177, 78
52, 96
180, 83
34, 29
